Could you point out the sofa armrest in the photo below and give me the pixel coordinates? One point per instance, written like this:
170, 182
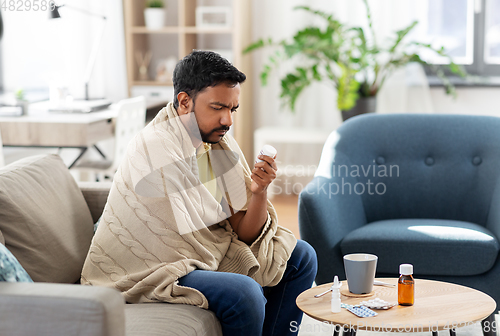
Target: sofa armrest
96, 195
326, 216
47, 309
493, 221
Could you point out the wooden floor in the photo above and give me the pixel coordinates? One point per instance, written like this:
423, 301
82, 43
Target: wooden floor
286, 207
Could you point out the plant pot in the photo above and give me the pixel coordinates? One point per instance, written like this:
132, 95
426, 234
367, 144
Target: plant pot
363, 105
24, 106
154, 18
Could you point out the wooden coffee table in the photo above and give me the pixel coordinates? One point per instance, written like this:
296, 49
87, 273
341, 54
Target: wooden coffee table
438, 306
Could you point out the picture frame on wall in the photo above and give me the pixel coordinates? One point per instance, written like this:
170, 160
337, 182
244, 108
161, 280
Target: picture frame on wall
213, 16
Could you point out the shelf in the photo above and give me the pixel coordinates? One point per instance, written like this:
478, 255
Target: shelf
207, 30
164, 30
152, 83
179, 37
187, 30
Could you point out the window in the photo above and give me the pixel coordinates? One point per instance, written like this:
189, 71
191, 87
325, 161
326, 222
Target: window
468, 29
492, 32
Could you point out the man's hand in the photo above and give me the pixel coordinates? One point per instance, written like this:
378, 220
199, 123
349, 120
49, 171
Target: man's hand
263, 174
248, 224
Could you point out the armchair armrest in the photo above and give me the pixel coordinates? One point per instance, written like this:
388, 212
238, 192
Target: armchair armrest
96, 195
493, 222
326, 216
47, 309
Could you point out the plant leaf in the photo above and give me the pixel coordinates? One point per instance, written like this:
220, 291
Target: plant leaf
400, 35
257, 45
347, 89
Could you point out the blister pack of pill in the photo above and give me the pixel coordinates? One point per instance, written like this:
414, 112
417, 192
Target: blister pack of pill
360, 311
377, 303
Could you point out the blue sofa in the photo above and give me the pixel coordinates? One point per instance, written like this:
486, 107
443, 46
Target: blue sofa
410, 188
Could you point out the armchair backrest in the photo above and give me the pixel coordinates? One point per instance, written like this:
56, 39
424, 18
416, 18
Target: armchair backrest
416, 165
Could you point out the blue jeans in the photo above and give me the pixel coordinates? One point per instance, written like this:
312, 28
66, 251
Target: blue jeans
243, 307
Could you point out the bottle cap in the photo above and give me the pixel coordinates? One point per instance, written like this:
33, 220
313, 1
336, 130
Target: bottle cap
406, 269
268, 150
336, 283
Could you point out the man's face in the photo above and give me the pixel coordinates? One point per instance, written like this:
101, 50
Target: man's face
214, 108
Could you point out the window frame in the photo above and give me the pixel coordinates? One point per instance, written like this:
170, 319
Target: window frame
479, 67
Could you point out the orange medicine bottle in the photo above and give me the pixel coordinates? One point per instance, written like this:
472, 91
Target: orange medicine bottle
406, 285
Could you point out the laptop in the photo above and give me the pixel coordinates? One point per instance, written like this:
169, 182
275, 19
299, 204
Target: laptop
81, 106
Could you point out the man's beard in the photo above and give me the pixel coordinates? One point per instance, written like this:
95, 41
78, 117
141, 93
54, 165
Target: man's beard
206, 135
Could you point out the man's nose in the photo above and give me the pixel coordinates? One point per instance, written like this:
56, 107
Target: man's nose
227, 118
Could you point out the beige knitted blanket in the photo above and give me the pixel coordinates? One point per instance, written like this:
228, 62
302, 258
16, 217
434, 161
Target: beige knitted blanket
160, 222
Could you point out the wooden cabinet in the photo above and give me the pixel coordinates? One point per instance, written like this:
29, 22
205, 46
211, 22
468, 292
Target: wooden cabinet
178, 37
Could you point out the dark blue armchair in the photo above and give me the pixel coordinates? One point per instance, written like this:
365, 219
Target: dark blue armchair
410, 188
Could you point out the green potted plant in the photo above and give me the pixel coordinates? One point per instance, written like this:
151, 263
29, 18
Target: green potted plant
349, 58
21, 101
154, 14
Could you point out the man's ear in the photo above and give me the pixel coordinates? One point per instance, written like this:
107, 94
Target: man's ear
185, 103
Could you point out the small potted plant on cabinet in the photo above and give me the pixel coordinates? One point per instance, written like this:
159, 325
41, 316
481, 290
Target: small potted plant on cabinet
154, 14
21, 101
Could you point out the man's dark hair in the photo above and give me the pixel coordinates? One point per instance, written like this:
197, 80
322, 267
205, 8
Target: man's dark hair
201, 69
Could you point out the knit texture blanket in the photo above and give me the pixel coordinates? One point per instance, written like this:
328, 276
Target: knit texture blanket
160, 222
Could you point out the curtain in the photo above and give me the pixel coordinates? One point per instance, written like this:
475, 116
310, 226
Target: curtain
407, 90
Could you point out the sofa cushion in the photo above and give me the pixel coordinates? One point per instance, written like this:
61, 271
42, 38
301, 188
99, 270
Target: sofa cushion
44, 219
166, 319
434, 247
10, 269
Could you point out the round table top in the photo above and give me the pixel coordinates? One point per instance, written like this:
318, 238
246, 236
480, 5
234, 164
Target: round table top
438, 306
